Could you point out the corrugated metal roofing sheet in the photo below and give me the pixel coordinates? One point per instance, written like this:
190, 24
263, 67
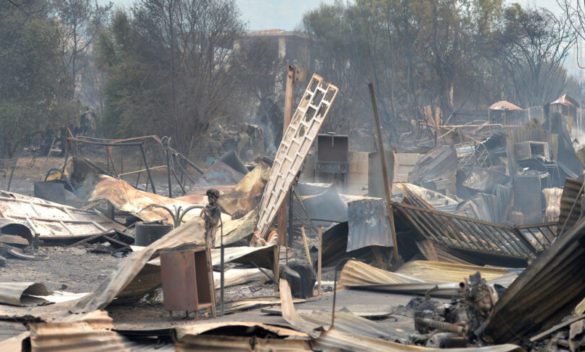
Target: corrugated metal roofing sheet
368, 224
417, 277
91, 333
544, 293
51, 220
478, 236
356, 273
431, 271
570, 204
336, 339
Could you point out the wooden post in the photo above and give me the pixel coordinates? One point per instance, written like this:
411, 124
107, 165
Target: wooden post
387, 182
288, 106
306, 244
320, 260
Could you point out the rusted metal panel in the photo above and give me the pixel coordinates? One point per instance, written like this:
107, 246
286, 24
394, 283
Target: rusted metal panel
358, 274
237, 343
296, 143
15, 343
51, 220
544, 293
235, 336
368, 224
185, 279
92, 333
458, 232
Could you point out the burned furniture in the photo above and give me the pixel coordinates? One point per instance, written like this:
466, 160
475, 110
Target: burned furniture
187, 280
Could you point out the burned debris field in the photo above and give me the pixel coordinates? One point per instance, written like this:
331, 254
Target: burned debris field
388, 176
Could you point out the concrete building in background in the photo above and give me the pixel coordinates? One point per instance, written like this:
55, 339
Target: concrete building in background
292, 46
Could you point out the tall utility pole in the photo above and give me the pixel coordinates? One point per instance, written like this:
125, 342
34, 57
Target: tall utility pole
387, 186
288, 106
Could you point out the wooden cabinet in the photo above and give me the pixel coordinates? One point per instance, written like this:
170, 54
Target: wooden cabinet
187, 279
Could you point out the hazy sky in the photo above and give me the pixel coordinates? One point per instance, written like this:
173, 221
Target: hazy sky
288, 14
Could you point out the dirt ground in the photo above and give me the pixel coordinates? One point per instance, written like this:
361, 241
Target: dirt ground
65, 269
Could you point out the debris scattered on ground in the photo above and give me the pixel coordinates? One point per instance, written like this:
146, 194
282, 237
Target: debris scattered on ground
488, 254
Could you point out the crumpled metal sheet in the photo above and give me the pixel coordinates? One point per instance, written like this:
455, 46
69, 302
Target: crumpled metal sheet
237, 276
12, 227
417, 277
356, 273
52, 220
485, 179
125, 197
431, 271
544, 293
368, 224
245, 196
488, 207
91, 332
192, 232
435, 252
261, 256
476, 236
335, 247
237, 230
435, 199
238, 343
258, 302
571, 201
325, 205
437, 166
246, 327
23, 293
335, 339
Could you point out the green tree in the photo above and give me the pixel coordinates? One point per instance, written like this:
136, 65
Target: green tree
169, 67
35, 93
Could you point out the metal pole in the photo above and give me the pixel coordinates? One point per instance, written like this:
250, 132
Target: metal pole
334, 299
169, 174
384, 173
147, 168
320, 262
221, 274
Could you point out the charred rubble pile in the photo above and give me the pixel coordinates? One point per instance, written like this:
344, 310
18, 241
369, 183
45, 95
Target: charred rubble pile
475, 244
